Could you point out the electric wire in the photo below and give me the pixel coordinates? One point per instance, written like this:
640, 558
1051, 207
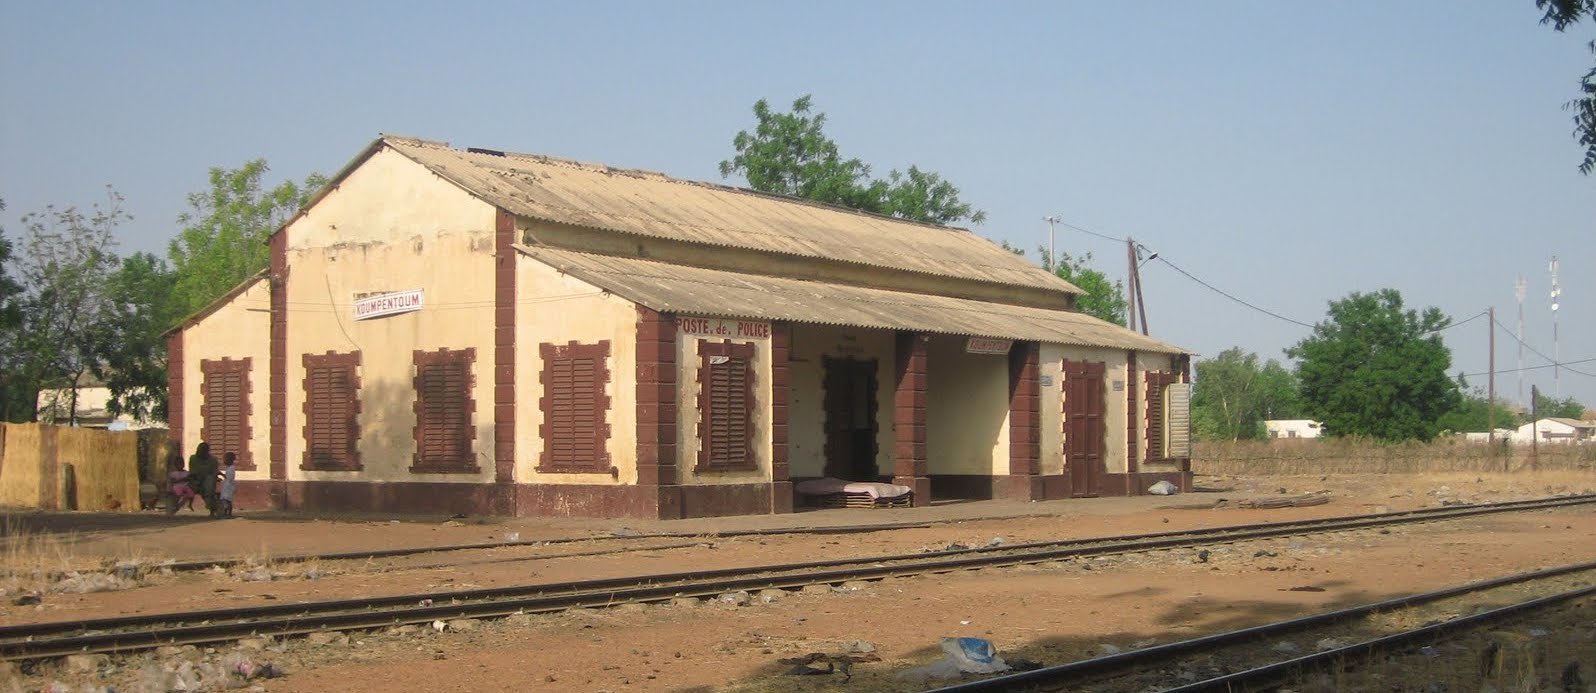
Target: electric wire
1553, 362
1528, 368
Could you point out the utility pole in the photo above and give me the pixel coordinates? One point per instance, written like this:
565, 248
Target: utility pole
1490, 388
1518, 290
1557, 387
1535, 429
1051, 264
1130, 281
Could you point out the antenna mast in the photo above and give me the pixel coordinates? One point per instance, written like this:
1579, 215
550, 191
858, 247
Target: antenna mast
1518, 291
1557, 358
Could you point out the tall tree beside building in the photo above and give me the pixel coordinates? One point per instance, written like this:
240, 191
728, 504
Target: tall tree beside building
1233, 395
15, 395
132, 362
1562, 14
788, 153
1376, 369
224, 235
68, 317
1473, 413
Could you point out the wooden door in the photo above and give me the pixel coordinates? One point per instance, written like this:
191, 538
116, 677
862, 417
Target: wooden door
850, 419
1085, 430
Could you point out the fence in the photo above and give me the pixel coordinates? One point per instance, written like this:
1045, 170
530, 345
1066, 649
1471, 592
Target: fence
1362, 456
60, 468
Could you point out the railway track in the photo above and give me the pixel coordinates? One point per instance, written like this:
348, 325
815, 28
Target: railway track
1131, 670
147, 631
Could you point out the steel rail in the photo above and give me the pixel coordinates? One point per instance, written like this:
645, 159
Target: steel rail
1051, 678
152, 630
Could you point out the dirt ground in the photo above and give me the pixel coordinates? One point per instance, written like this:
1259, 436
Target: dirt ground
1048, 614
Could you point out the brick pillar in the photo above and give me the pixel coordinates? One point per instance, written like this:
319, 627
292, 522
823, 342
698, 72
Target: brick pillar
780, 480
908, 418
656, 411
174, 391
1132, 412
504, 351
277, 375
1024, 482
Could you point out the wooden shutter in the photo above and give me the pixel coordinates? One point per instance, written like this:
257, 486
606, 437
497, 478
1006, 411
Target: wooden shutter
726, 406
225, 409
574, 404
332, 407
1158, 415
1178, 402
444, 433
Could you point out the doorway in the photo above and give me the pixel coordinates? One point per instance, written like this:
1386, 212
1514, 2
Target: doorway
850, 413
1085, 430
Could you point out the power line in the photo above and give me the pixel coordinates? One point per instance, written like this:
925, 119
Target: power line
1530, 368
1553, 362
1464, 321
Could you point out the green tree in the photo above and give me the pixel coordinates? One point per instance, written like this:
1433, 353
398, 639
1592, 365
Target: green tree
68, 314
132, 363
788, 153
1375, 369
1104, 299
224, 235
1233, 395
1473, 413
16, 395
1551, 407
1562, 14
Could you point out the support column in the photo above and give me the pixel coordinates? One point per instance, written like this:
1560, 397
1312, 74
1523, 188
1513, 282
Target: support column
656, 412
1024, 482
780, 480
1132, 413
504, 352
909, 415
278, 372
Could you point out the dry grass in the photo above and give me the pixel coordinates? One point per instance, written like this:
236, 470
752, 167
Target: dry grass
1355, 456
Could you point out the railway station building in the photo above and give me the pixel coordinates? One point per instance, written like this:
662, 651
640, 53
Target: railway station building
484, 332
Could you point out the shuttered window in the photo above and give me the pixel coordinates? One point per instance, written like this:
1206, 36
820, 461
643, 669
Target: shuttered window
1178, 403
444, 407
726, 406
225, 409
574, 406
332, 407
1158, 383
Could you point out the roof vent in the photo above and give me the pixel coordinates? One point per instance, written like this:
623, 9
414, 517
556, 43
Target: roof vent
489, 152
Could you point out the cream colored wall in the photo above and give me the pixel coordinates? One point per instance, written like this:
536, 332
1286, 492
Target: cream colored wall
391, 225
688, 385
753, 262
806, 415
1050, 362
1114, 409
238, 330
558, 309
967, 409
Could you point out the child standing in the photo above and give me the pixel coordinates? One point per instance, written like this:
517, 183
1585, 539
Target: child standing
229, 484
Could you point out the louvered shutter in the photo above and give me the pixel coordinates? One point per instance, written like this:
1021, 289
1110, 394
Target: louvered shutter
331, 406
1155, 417
443, 411
727, 402
574, 404
1179, 406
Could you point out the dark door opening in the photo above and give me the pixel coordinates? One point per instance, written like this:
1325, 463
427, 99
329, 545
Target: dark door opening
850, 404
1085, 430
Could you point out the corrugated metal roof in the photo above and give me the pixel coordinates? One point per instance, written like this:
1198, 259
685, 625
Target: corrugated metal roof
655, 205
718, 293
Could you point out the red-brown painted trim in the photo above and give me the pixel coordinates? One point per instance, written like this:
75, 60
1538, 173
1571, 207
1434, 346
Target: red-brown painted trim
504, 306
277, 371
909, 415
467, 464
781, 498
657, 411
1132, 412
351, 455
599, 457
174, 388
746, 351
1025, 422
242, 367
1183, 362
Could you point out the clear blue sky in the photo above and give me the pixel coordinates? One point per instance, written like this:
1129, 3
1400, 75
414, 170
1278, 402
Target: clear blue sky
1288, 153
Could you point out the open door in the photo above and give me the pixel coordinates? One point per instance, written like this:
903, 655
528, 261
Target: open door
850, 404
1085, 430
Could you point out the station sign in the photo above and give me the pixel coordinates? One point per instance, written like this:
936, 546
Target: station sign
985, 345
388, 304
728, 329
